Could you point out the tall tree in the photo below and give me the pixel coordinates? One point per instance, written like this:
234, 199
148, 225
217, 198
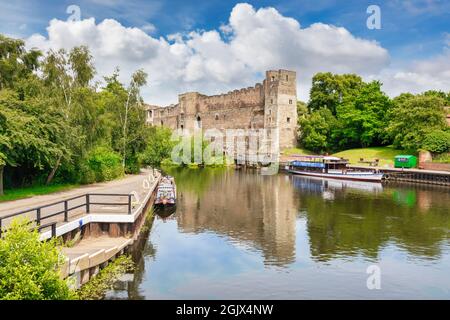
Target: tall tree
15, 61
25, 137
362, 117
134, 100
413, 117
126, 114
67, 75
329, 90
316, 130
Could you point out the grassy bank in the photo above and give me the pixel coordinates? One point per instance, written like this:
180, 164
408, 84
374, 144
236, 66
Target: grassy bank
22, 193
385, 154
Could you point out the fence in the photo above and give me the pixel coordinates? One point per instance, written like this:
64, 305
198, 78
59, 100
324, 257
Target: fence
39, 217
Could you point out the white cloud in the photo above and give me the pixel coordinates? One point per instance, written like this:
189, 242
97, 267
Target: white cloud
215, 61
418, 76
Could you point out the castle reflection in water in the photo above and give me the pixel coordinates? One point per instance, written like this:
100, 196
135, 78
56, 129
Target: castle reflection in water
342, 218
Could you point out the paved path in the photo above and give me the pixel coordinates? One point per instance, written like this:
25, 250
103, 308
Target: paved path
123, 186
91, 246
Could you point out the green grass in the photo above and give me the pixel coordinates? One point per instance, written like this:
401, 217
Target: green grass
22, 193
299, 151
385, 154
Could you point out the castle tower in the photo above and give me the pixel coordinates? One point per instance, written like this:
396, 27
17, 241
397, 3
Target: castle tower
280, 106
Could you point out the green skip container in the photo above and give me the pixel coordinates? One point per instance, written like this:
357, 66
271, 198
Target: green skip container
407, 161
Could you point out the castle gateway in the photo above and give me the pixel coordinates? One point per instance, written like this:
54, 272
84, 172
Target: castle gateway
271, 105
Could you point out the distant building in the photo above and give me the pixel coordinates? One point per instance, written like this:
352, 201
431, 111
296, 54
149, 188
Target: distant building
270, 105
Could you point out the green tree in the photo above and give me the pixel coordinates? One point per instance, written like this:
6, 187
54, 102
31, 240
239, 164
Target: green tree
29, 268
15, 61
329, 90
159, 146
316, 130
67, 76
302, 109
437, 141
25, 137
413, 117
362, 117
126, 114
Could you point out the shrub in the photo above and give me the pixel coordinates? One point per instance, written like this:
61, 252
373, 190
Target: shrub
102, 164
29, 268
168, 163
442, 158
437, 141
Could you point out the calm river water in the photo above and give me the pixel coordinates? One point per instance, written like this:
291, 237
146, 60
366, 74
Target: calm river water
241, 235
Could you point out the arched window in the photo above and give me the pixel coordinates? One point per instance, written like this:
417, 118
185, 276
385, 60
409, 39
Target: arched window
198, 122
217, 117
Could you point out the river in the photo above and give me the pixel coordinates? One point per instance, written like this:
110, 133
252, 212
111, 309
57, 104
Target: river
242, 235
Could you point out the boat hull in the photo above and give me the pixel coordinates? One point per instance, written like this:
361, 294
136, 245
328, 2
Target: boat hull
375, 177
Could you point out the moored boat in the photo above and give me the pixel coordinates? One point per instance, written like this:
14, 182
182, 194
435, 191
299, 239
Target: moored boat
331, 167
166, 193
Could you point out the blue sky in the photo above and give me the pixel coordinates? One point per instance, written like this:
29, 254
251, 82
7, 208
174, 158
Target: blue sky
411, 30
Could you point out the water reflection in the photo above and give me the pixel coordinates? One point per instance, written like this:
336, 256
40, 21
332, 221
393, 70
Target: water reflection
254, 210
241, 235
362, 220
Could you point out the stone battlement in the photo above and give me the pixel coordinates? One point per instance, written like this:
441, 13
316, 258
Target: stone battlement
270, 104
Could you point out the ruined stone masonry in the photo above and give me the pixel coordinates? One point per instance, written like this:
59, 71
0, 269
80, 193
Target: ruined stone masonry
270, 105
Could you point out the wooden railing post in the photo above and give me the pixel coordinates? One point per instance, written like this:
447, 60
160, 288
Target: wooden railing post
54, 230
38, 216
129, 204
66, 211
88, 207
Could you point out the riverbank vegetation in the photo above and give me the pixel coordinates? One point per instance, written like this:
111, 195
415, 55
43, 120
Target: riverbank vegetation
97, 287
58, 126
344, 112
192, 151
29, 268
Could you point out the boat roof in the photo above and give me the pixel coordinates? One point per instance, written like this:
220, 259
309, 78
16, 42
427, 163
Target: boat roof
320, 157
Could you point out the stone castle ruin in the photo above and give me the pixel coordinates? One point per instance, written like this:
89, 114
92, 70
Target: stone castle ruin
270, 105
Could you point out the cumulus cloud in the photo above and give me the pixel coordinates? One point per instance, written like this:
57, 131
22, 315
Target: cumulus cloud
418, 76
214, 61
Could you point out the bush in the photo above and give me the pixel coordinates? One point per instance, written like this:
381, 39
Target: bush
437, 141
168, 163
442, 158
102, 164
29, 268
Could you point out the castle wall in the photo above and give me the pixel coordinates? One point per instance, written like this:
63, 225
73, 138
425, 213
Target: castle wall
269, 105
